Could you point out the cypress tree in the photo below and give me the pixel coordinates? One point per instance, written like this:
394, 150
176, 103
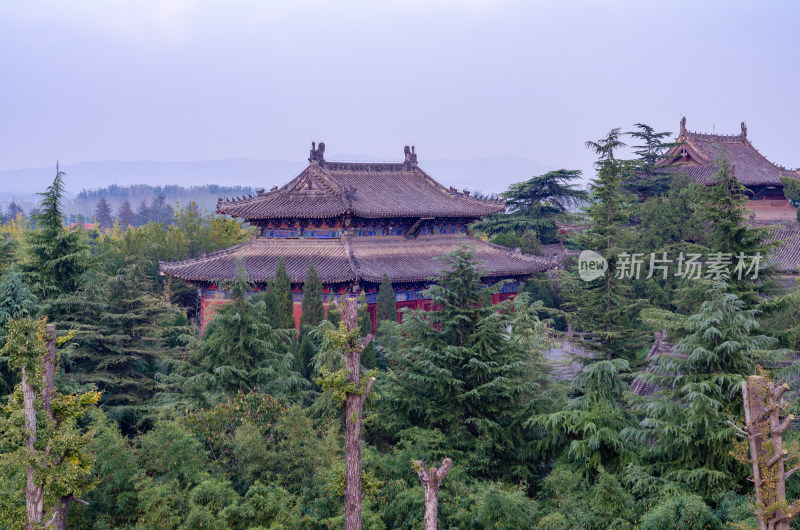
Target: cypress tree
283, 292
334, 317
387, 307
313, 309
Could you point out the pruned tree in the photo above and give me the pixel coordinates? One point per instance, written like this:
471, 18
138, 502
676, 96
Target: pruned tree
353, 390
431, 481
765, 426
42, 429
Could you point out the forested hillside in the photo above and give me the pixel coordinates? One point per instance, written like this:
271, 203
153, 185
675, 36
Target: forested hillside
125, 416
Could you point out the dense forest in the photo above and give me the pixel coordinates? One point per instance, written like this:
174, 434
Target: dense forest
124, 416
128, 205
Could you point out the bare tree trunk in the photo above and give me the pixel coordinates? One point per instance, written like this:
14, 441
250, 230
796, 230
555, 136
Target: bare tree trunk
431, 481
763, 406
34, 494
354, 405
49, 375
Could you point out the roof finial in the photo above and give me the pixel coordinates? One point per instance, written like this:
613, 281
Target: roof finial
411, 157
744, 130
683, 125
317, 153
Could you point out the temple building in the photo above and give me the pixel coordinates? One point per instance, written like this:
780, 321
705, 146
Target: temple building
695, 156
356, 222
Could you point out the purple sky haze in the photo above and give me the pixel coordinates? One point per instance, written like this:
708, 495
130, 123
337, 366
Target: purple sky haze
200, 80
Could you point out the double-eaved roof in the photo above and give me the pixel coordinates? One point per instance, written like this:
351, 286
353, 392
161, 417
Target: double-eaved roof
697, 152
350, 259
332, 189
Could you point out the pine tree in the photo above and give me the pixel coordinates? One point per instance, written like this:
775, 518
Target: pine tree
646, 179
240, 351
125, 215
585, 437
143, 213
603, 307
103, 214
55, 258
456, 370
365, 328
14, 210
313, 310
124, 342
534, 205
283, 291
386, 307
701, 384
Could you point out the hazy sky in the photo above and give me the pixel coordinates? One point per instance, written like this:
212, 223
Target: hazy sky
200, 80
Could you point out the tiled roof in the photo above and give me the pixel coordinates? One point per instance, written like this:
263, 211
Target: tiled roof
413, 260
750, 167
786, 257
261, 260
356, 258
329, 189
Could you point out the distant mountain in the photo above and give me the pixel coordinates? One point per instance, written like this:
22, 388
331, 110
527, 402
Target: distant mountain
490, 175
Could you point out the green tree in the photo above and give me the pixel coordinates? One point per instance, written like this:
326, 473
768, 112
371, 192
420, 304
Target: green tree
700, 392
647, 179
125, 215
283, 291
124, 342
16, 301
40, 433
387, 306
103, 215
604, 307
241, 351
534, 205
313, 309
456, 370
54, 258
585, 436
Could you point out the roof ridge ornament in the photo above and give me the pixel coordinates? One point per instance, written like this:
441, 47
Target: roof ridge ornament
317, 154
683, 126
411, 157
744, 130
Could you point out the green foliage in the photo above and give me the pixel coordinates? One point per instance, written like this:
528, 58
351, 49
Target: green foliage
313, 309
605, 307
125, 342
455, 369
387, 306
791, 190
680, 510
58, 460
364, 318
702, 393
54, 258
240, 351
283, 291
585, 436
534, 206
646, 179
